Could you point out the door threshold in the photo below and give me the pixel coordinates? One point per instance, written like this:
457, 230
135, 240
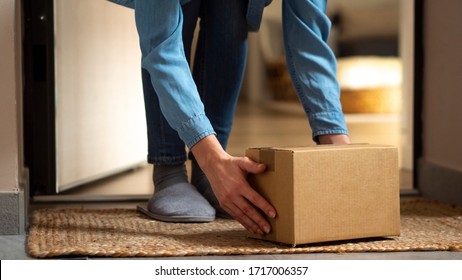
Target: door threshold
89, 198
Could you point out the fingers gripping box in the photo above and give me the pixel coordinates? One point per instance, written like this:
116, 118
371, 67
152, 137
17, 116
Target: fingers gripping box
329, 192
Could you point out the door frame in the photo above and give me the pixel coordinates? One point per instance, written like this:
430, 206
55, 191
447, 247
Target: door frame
418, 88
39, 96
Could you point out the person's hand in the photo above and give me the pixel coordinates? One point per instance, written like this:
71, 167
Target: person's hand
334, 139
227, 176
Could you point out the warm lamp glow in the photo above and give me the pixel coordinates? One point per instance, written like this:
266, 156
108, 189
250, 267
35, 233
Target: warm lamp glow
369, 72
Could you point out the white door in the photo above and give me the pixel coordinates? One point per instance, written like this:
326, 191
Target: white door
100, 118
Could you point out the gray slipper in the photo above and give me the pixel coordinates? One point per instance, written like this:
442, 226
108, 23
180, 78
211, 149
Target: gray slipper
143, 208
180, 203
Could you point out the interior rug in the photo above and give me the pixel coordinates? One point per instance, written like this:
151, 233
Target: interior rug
425, 225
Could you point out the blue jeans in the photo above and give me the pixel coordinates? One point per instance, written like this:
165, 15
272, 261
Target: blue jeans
218, 70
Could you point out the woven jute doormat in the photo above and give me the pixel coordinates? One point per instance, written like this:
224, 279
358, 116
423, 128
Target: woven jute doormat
425, 225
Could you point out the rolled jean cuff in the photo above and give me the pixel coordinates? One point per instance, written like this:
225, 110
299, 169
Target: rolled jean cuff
329, 132
167, 160
327, 123
195, 129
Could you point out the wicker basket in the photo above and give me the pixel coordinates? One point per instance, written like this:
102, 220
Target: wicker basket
370, 84
371, 101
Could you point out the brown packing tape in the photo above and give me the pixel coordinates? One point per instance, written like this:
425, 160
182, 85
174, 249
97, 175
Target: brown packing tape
262, 155
253, 154
267, 158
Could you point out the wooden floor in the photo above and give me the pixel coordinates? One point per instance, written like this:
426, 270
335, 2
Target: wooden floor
256, 126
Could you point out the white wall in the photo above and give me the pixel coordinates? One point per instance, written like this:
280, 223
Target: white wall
443, 83
440, 167
10, 100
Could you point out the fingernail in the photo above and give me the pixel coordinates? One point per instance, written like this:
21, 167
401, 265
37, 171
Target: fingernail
272, 214
267, 229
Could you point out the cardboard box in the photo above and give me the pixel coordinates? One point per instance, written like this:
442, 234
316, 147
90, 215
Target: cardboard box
329, 192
